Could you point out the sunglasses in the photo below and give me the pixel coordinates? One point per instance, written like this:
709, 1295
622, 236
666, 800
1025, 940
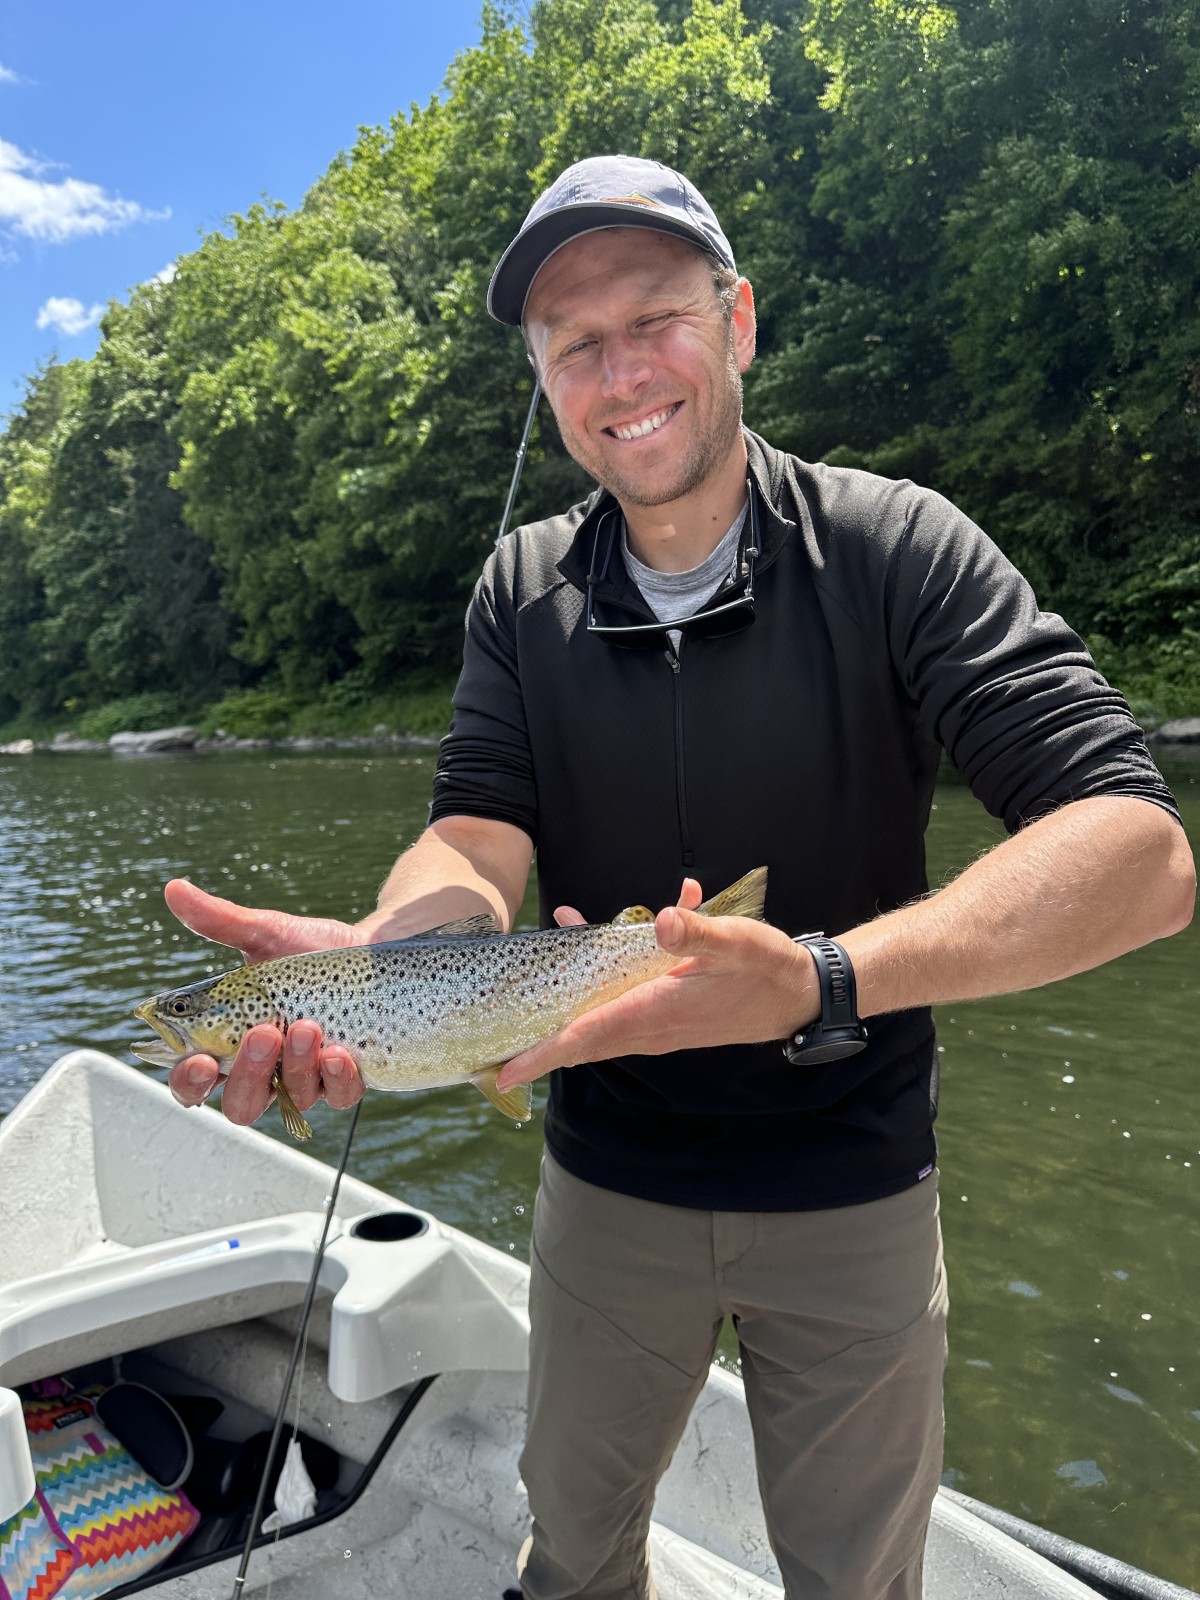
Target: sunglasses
709, 623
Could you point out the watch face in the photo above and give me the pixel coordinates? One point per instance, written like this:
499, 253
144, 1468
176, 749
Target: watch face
820, 1044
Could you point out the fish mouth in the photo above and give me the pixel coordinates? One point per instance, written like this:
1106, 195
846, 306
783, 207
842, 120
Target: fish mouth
156, 1052
169, 1036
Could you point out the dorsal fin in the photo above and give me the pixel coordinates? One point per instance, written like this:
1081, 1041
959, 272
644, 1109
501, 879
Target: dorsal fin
515, 1103
482, 926
633, 914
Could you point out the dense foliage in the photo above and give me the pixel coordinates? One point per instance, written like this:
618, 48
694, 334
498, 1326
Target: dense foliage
973, 227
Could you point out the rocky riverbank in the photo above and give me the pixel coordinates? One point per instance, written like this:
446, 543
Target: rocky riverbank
172, 740
1183, 730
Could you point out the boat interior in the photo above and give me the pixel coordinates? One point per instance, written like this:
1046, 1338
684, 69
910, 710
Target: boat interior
154, 1265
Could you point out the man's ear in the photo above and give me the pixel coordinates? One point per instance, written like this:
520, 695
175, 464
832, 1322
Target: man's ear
744, 325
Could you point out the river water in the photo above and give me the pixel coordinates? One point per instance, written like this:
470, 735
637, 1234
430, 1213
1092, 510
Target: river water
1070, 1143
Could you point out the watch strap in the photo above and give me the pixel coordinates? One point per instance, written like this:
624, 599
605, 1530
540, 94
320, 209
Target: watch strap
838, 1030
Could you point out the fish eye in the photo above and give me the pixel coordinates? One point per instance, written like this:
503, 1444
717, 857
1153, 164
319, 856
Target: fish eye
178, 1008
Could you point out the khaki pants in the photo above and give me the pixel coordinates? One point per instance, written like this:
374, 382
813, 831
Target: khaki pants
841, 1318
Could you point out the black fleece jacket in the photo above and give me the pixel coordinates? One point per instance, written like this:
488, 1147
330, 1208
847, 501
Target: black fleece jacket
887, 628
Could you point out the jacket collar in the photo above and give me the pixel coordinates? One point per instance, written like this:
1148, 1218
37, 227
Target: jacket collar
765, 466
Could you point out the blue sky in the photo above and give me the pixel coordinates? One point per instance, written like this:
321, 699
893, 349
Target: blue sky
129, 128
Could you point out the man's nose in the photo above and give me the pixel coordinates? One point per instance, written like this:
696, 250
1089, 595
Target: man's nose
626, 367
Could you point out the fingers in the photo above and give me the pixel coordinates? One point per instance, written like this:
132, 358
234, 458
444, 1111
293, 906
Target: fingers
248, 1092
207, 914
259, 934
683, 933
310, 1070
568, 917
300, 1064
192, 1080
340, 1080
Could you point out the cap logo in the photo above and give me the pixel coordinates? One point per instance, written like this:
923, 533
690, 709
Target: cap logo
630, 200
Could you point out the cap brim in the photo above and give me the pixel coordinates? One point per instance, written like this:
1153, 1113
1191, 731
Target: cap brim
534, 245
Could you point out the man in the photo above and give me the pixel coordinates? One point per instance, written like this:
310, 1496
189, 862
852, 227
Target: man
728, 658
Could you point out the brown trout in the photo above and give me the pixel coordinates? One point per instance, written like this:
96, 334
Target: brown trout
443, 1007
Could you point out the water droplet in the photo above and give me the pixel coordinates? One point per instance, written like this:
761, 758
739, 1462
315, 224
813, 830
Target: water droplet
1146, 1316
346, 1553
519, 1210
1069, 1078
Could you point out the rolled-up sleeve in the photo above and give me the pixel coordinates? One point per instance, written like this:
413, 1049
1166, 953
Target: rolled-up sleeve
484, 767
1009, 691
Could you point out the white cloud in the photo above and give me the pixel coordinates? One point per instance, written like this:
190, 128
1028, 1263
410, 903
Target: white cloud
57, 209
7, 75
167, 275
67, 314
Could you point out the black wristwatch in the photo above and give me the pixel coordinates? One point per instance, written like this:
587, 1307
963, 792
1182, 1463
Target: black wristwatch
837, 1032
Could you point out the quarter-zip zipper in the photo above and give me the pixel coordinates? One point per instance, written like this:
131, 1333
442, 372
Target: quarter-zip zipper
674, 654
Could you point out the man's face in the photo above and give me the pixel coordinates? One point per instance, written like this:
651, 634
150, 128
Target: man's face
640, 362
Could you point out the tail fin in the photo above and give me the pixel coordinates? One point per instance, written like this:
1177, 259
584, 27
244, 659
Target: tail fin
742, 899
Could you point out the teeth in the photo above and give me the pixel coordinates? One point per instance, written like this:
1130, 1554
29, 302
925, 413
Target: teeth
638, 430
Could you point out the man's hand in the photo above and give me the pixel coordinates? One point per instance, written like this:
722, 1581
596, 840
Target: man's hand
736, 981
310, 1070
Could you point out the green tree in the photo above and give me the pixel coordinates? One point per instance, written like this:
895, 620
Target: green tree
131, 593
30, 677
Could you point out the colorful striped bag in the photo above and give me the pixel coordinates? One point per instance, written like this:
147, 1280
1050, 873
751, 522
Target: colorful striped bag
93, 1497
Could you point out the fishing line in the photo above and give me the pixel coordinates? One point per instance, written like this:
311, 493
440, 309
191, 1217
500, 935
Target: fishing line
297, 1348
297, 1411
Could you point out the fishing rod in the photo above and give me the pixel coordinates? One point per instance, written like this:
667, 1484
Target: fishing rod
239, 1581
306, 1311
520, 461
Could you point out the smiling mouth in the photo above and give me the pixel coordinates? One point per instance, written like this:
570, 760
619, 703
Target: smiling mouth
627, 431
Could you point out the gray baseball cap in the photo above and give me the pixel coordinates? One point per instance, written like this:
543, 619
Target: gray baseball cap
602, 192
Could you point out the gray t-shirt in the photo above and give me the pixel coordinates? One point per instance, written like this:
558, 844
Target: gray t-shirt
681, 594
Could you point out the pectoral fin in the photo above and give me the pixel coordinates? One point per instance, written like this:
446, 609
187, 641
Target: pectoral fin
293, 1119
515, 1103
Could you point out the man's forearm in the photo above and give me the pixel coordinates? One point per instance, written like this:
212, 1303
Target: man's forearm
459, 867
1074, 889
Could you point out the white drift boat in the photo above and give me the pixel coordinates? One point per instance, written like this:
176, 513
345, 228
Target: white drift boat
120, 1211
